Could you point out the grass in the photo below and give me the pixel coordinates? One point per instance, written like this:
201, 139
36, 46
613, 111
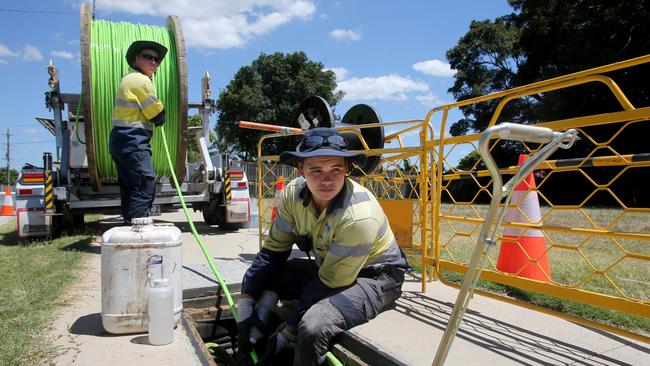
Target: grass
32, 277
632, 323
574, 259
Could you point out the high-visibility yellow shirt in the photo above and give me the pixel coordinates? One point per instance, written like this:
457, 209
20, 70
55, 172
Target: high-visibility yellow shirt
135, 102
351, 234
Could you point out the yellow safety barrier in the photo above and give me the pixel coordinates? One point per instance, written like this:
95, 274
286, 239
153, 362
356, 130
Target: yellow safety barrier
597, 238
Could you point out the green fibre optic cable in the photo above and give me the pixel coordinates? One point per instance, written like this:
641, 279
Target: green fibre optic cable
331, 359
214, 269
109, 43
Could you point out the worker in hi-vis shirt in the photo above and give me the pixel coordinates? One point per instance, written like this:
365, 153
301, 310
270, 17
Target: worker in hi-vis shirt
357, 269
136, 112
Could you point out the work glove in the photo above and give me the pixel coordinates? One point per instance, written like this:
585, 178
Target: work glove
263, 310
159, 119
304, 243
278, 341
246, 319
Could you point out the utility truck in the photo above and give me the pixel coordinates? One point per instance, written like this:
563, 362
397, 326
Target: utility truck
67, 186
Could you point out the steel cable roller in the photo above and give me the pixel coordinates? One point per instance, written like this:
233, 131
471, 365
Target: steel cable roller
103, 50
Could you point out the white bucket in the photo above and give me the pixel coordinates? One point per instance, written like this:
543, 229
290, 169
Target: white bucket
125, 253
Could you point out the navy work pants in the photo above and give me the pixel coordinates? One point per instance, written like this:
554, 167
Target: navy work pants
137, 182
372, 292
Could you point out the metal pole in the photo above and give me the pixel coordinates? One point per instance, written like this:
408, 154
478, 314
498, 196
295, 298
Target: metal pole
8, 157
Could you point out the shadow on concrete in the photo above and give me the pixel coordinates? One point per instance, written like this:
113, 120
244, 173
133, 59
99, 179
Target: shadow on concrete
520, 345
142, 339
617, 339
90, 324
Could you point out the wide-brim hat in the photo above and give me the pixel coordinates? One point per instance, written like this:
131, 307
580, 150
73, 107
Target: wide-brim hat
293, 157
137, 46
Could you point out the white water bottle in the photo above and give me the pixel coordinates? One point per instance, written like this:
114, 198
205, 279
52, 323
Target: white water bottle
263, 308
161, 312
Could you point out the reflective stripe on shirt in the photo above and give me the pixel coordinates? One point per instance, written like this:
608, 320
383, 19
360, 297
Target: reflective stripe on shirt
283, 225
392, 255
136, 124
349, 251
126, 104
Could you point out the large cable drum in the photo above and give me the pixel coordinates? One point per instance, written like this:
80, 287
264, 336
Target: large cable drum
363, 114
103, 64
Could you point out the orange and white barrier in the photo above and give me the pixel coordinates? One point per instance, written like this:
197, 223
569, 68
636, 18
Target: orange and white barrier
8, 204
523, 251
279, 188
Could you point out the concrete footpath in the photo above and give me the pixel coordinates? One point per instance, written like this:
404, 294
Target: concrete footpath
492, 332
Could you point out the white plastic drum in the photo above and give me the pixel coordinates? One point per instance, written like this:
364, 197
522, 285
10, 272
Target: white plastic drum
125, 276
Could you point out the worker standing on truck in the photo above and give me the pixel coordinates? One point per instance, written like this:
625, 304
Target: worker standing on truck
136, 112
357, 270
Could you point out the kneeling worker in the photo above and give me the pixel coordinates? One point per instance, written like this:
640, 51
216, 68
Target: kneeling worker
357, 271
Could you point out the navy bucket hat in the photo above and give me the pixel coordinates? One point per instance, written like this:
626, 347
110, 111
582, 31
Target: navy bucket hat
321, 142
137, 46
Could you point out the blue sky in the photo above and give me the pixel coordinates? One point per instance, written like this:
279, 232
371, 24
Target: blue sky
388, 54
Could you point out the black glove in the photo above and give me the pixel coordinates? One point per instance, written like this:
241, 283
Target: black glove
246, 319
159, 119
278, 341
304, 243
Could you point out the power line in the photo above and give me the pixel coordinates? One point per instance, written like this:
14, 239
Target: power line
27, 142
37, 11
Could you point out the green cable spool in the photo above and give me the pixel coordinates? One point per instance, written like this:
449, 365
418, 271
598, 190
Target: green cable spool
103, 49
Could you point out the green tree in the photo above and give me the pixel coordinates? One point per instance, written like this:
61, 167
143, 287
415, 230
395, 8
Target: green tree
468, 162
540, 40
269, 91
13, 176
487, 58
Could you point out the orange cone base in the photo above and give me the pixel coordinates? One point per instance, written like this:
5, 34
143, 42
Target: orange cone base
7, 211
512, 259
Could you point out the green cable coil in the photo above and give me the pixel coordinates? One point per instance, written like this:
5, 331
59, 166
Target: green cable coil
109, 42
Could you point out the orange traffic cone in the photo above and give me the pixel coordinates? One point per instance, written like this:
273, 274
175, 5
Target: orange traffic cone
523, 252
8, 205
279, 188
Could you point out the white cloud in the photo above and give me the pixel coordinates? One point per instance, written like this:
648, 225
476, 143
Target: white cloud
219, 23
32, 130
3, 62
435, 68
6, 52
388, 87
430, 100
31, 53
340, 72
345, 34
63, 54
